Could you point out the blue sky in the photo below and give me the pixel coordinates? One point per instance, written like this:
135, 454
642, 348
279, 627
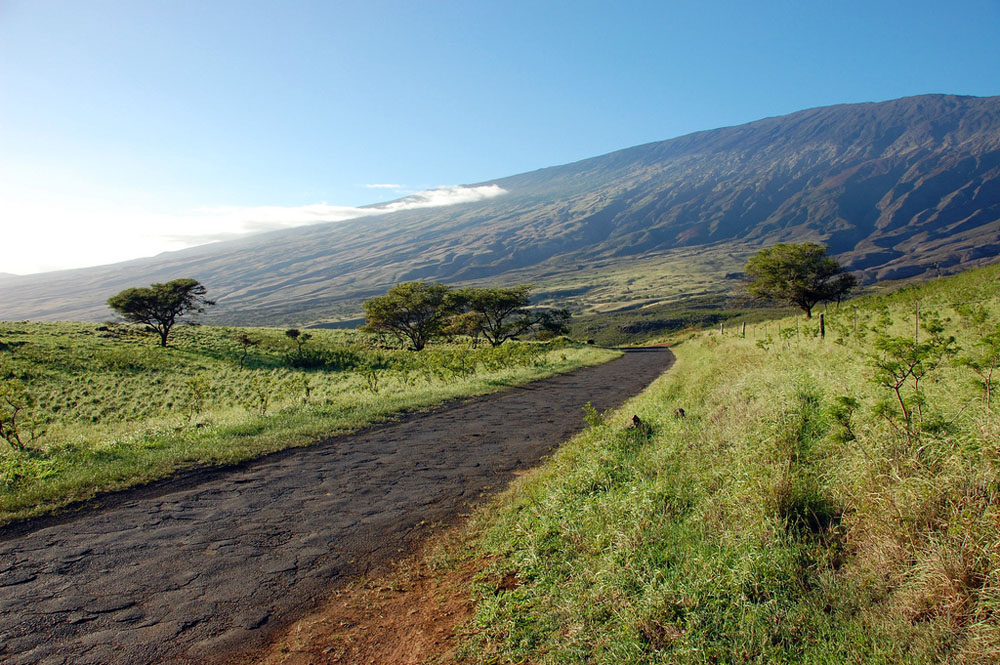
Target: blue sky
131, 127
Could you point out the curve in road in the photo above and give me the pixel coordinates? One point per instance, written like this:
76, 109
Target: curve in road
211, 564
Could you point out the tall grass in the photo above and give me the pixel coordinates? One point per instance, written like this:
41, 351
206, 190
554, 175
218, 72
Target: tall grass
111, 409
788, 517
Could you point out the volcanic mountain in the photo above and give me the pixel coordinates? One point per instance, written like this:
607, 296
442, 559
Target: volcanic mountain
896, 189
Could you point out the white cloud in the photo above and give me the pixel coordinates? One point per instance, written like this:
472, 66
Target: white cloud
49, 237
381, 186
441, 196
238, 220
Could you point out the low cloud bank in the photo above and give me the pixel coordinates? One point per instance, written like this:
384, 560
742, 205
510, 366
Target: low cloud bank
242, 220
441, 196
54, 238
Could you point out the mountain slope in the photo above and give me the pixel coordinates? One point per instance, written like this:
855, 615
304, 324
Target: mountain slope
896, 189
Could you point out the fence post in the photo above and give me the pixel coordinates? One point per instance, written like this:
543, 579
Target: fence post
822, 325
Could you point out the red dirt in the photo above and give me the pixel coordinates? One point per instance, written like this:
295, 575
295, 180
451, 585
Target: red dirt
412, 615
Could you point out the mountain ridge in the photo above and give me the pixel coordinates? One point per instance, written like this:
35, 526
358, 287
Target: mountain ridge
896, 189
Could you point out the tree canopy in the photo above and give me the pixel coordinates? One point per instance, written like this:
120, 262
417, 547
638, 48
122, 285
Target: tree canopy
159, 306
501, 311
418, 312
412, 311
799, 274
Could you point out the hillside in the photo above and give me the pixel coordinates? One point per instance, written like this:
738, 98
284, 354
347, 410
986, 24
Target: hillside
897, 189
776, 503
798, 512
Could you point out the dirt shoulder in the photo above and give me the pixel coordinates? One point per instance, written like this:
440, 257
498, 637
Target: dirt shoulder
411, 614
217, 567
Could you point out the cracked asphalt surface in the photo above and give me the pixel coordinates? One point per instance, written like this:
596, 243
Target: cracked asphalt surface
208, 565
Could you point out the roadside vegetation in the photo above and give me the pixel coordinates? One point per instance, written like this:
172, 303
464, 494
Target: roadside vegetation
783, 498
88, 408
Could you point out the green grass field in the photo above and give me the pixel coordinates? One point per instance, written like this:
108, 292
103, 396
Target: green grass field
105, 408
800, 512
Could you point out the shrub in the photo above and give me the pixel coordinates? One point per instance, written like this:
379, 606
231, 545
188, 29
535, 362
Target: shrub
17, 427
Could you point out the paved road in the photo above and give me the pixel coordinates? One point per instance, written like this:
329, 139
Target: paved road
208, 565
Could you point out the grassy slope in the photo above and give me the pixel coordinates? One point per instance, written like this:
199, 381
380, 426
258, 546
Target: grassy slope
771, 524
645, 324
120, 411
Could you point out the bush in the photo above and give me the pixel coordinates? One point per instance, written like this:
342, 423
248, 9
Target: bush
17, 426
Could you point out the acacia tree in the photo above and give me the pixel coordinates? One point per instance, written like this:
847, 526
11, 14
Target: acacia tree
799, 274
501, 311
984, 360
246, 341
503, 314
299, 337
554, 321
465, 323
412, 311
159, 306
